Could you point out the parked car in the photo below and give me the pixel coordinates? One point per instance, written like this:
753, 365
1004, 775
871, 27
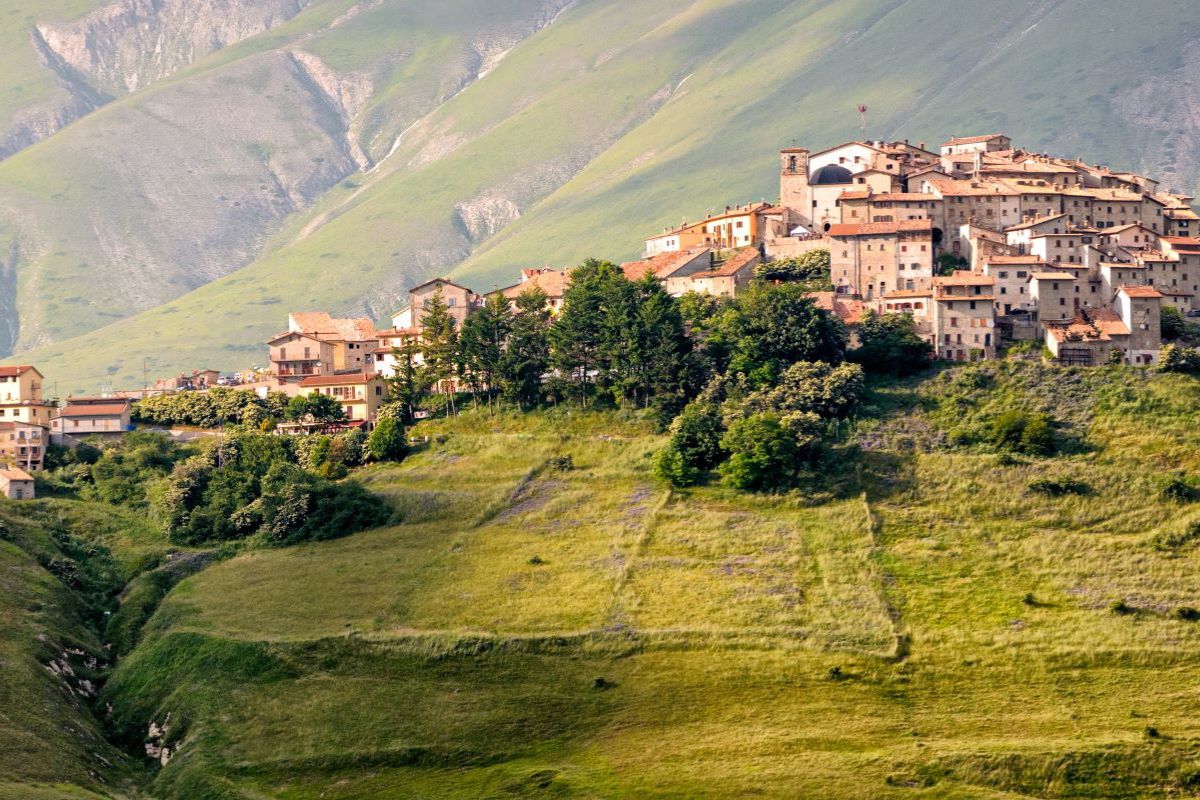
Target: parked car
1195, 312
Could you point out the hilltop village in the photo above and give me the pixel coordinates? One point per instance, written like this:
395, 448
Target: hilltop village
980, 243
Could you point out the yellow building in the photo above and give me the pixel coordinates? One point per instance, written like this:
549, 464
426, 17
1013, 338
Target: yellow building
360, 393
21, 396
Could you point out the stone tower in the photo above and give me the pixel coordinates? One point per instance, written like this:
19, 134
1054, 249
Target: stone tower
794, 192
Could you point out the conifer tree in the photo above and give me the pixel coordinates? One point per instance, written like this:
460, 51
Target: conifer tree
439, 345
482, 345
527, 355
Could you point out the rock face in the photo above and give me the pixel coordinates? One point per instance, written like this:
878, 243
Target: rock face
482, 217
129, 44
1164, 114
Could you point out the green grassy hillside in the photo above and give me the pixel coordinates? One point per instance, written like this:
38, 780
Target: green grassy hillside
62, 563
598, 125
928, 626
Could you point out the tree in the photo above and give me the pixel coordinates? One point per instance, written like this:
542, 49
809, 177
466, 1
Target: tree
764, 455
579, 332
947, 263
482, 344
439, 338
828, 391
1177, 358
319, 407
812, 268
409, 385
527, 355
889, 345
770, 327
696, 435
387, 442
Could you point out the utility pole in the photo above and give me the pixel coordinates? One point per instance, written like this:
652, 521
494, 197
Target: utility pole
862, 120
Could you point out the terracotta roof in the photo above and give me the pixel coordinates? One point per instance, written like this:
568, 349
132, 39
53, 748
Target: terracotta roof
446, 281
15, 474
1020, 259
955, 187
1109, 195
896, 197
1094, 325
732, 265
1120, 228
1029, 166
901, 293
1140, 291
973, 139
1034, 222
1182, 242
876, 228
320, 323
855, 194
962, 277
1052, 276
553, 282
662, 265
106, 410
393, 332
848, 311
337, 380
15, 371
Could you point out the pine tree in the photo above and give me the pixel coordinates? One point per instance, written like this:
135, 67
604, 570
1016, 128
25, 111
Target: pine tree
527, 356
408, 386
439, 345
580, 332
482, 345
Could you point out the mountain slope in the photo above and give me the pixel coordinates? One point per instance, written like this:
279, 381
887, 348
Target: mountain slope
593, 124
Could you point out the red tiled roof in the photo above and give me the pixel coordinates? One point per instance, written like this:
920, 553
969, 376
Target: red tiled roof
663, 264
14, 371
14, 474
972, 139
1034, 222
320, 323
106, 410
876, 228
1019, 259
337, 380
732, 265
1053, 276
1140, 291
962, 277
553, 282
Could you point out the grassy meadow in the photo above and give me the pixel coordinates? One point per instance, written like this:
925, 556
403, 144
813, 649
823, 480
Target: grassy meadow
921, 624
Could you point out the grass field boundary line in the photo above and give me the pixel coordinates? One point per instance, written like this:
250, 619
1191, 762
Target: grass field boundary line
494, 510
639, 549
901, 640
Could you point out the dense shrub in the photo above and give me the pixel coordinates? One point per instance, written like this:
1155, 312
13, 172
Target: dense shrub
387, 442
220, 405
764, 454
832, 392
1178, 488
1177, 358
1058, 487
811, 267
253, 483
125, 468
1177, 540
889, 345
1023, 432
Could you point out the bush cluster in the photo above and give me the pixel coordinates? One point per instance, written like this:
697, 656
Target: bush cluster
218, 406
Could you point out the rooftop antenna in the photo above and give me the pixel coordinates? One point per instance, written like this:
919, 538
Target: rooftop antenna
862, 120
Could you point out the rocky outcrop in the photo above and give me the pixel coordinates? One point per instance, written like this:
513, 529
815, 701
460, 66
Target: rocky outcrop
482, 217
345, 94
1163, 116
129, 44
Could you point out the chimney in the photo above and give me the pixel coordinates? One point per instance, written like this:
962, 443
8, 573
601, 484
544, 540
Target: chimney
921, 145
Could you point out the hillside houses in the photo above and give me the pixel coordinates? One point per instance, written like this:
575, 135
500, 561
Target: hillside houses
895, 215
